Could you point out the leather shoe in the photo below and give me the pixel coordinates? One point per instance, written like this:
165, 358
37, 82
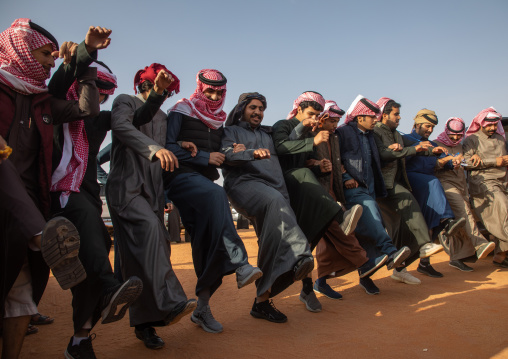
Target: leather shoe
150, 338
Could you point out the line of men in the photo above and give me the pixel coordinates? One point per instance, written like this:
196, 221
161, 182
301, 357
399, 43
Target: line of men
361, 195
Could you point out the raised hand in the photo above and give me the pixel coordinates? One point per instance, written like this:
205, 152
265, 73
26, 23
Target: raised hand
162, 81
97, 38
321, 137
261, 153
168, 159
67, 50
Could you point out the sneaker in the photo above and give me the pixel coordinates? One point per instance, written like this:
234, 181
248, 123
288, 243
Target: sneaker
83, 350
485, 250
60, 248
460, 266
369, 286
453, 225
311, 302
206, 320
397, 258
266, 310
327, 291
429, 270
503, 264
181, 310
351, 218
150, 338
372, 266
116, 300
405, 277
429, 249
303, 267
247, 274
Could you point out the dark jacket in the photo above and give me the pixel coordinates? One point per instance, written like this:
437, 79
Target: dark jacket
351, 153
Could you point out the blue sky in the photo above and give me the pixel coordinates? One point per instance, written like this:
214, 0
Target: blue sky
448, 56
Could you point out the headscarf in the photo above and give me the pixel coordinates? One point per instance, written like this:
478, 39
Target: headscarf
454, 126
485, 117
382, 104
19, 70
306, 96
70, 172
236, 113
331, 109
361, 106
199, 106
149, 73
426, 116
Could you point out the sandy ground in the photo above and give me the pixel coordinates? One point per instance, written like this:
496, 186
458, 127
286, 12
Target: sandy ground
463, 315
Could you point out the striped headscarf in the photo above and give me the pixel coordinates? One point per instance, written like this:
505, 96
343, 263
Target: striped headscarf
19, 70
361, 106
382, 104
306, 96
331, 109
485, 117
199, 106
455, 126
149, 73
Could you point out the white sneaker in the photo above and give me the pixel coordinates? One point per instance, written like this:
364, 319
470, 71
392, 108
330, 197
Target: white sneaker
429, 249
405, 277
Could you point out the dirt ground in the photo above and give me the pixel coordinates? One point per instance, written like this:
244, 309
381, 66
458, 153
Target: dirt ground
463, 315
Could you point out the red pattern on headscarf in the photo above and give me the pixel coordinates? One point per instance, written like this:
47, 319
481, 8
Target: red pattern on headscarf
381, 103
149, 73
456, 123
329, 104
199, 106
306, 96
19, 70
358, 108
479, 121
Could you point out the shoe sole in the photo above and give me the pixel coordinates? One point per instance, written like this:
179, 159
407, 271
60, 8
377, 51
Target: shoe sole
60, 248
366, 291
303, 269
432, 252
453, 229
375, 268
124, 297
428, 274
309, 308
189, 307
401, 280
462, 270
355, 217
261, 316
199, 322
255, 275
488, 249
398, 260
326, 295
500, 265
149, 346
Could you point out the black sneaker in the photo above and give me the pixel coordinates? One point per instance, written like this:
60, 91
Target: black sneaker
120, 296
453, 225
149, 337
303, 267
369, 286
83, 350
372, 266
429, 270
266, 310
460, 266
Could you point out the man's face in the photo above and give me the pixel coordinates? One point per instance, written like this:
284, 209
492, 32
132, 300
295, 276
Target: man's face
254, 113
424, 130
392, 119
43, 56
490, 129
214, 95
367, 123
309, 113
455, 136
330, 124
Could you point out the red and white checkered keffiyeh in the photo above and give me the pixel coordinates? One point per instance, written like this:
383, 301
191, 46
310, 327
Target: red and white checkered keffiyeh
19, 70
331, 109
381, 103
481, 121
70, 172
306, 96
358, 108
149, 73
454, 126
199, 106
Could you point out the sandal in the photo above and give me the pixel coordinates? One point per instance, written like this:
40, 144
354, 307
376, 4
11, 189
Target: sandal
31, 330
39, 319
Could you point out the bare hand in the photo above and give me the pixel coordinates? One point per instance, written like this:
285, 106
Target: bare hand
5, 150
423, 146
395, 147
438, 150
342, 169
476, 160
168, 208
238, 147
168, 160
325, 166
97, 38
321, 137
261, 153
310, 122
216, 158
67, 50
351, 183
502, 161
191, 147
162, 81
